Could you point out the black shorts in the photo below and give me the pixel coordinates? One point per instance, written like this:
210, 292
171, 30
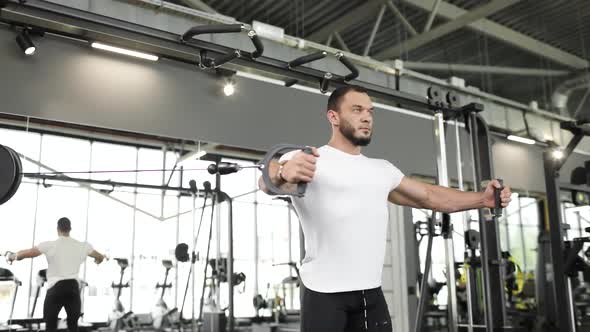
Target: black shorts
355, 311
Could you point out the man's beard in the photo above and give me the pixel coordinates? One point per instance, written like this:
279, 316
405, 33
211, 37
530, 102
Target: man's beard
347, 131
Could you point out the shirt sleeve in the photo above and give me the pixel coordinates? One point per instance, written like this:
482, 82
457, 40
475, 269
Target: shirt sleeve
396, 176
44, 247
88, 248
287, 156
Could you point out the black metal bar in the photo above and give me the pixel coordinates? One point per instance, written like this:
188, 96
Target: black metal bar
290, 83
223, 197
574, 187
226, 28
307, 59
575, 126
477, 310
354, 72
64, 178
212, 28
578, 135
257, 44
226, 58
490, 249
325, 83
543, 289
558, 288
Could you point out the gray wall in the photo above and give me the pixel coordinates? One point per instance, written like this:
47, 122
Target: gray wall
522, 165
519, 165
68, 81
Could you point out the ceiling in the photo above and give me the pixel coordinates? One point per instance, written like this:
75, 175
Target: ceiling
550, 35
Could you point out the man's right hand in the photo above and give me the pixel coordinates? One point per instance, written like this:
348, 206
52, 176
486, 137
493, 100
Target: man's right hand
99, 259
301, 167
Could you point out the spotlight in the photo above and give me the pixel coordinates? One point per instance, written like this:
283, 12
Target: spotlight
25, 43
227, 80
229, 88
557, 154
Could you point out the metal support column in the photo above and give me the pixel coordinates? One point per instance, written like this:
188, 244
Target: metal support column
491, 259
443, 180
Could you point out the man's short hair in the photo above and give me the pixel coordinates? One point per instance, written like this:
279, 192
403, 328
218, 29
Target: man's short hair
64, 225
337, 95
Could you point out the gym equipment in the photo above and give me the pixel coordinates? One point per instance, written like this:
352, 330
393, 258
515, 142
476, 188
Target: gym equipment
10, 170
554, 287
514, 278
11, 173
119, 319
490, 260
162, 316
327, 77
290, 281
41, 280
275, 304
7, 275
211, 63
219, 272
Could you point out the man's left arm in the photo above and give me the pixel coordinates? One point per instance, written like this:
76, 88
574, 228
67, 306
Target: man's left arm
421, 195
26, 253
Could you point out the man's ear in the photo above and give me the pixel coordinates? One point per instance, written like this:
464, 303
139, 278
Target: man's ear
333, 117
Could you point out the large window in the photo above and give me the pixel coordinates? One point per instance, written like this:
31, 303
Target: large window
143, 225
577, 218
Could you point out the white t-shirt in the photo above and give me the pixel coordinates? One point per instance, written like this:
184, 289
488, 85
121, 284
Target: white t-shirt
344, 217
64, 257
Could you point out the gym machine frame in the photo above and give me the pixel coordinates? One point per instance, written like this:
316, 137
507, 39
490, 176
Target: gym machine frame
557, 295
490, 260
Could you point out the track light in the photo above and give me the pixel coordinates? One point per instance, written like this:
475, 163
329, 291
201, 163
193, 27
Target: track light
557, 154
521, 139
119, 50
229, 88
25, 43
227, 80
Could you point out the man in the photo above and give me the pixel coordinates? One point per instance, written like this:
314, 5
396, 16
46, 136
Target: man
344, 217
64, 257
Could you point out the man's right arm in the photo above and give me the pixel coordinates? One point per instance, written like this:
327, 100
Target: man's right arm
299, 168
273, 171
98, 257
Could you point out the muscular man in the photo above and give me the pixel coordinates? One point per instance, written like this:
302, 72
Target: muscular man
64, 257
344, 217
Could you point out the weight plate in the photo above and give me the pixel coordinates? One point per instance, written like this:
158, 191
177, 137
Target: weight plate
8, 172
18, 177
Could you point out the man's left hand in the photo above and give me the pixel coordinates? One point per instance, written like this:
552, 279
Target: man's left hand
489, 200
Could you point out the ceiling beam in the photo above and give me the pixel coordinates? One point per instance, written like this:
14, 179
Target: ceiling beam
480, 12
374, 31
478, 69
199, 5
340, 41
401, 17
364, 11
431, 16
505, 34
